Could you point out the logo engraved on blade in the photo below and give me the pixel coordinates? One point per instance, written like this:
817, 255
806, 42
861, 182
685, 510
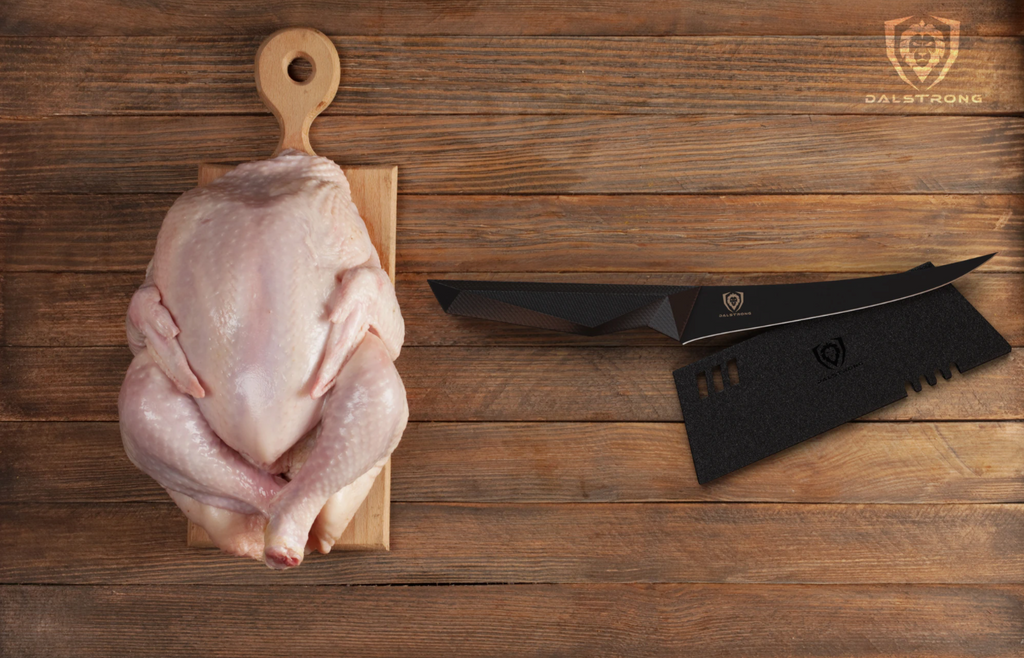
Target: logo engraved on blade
733, 301
831, 353
921, 46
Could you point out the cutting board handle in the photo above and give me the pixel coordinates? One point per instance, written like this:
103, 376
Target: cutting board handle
294, 103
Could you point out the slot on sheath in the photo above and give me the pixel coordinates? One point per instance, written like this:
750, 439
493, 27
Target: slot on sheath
702, 385
716, 379
734, 372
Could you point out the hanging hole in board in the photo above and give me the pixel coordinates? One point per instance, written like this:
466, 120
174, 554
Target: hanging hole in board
702, 385
716, 378
734, 372
300, 69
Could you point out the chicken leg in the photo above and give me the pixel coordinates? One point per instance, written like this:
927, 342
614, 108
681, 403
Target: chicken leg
166, 436
351, 443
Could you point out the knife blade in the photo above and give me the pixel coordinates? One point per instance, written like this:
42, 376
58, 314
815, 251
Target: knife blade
685, 313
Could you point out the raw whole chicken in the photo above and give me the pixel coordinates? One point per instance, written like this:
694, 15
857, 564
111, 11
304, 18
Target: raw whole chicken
263, 394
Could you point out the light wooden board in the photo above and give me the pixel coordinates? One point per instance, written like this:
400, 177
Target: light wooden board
374, 191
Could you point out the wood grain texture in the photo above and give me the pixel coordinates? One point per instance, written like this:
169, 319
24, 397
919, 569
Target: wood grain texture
295, 104
626, 233
495, 384
393, 75
612, 384
374, 191
540, 154
483, 17
519, 543
50, 309
945, 462
508, 620
703, 158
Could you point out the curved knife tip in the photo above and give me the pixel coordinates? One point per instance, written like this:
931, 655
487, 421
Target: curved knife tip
981, 260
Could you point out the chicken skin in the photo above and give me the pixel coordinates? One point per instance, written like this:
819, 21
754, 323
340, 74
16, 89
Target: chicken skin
263, 394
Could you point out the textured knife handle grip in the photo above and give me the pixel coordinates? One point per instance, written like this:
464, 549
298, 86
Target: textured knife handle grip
295, 103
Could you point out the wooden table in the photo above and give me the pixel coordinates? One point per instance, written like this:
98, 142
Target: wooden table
544, 498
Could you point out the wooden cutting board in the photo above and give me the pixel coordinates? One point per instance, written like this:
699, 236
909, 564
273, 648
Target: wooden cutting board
374, 191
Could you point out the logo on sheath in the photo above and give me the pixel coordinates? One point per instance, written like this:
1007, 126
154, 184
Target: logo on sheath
831, 353
922, 49
733, 301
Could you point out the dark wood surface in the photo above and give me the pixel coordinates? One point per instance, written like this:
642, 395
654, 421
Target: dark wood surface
544, 498
538, 154
529, 75
628, 235
488, 620
486, 17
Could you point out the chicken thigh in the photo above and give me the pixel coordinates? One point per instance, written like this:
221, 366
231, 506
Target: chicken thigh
263, 394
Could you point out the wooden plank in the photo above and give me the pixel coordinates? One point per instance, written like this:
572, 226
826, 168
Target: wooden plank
479, 17
110, 232
628, 233
65, 309
706, 233
541, 154
515, 543
466, 75
945, 462
48, 309
464, 384
627, 383
511, 620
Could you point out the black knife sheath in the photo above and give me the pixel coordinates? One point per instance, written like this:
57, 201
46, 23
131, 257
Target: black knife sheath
799, 380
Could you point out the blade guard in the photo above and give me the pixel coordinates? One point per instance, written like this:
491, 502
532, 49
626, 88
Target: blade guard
799, 380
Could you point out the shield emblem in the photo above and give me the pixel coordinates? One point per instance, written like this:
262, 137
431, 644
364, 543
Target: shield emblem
733, 301
831, 354
917, 47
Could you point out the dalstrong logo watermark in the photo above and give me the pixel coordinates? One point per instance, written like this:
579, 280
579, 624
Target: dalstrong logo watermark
733, 301
922, 49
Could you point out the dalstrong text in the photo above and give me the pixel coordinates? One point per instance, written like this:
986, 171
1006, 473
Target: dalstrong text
947, 99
